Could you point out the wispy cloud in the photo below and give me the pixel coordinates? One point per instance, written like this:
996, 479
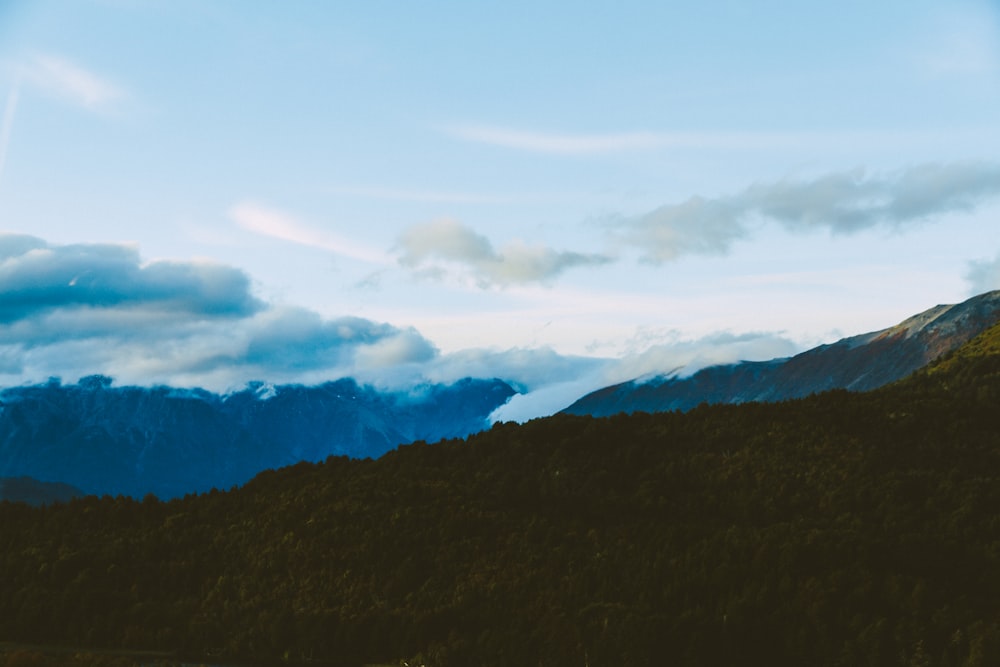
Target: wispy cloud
432, 248
562, 144
843, 141
71, 82
278, 224
842, 202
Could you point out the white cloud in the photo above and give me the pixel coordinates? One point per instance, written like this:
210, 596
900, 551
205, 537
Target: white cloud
430, 249
548, 381
277, 224
547, 400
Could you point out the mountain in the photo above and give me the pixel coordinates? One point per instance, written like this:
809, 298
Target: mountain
844, 528
858, 363
35, 492
136, 440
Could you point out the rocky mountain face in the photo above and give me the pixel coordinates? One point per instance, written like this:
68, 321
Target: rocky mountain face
858, 363
136, 440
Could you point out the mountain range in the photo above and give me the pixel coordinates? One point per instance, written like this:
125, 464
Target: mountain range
104, 439
858, 363
170, 442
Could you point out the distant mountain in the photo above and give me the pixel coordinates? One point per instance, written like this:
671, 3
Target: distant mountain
136, 440
34, 492
858, 363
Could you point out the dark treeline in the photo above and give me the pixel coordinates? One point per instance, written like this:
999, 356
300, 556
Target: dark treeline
841, 529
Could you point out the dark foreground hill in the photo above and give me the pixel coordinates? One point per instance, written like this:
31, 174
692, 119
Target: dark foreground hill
35, 492
138, 440
858, 363
840, 529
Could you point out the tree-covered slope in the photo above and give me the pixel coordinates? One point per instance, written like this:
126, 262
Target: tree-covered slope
36, 492
841, 529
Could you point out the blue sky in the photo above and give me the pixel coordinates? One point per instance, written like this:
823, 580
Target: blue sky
559, 194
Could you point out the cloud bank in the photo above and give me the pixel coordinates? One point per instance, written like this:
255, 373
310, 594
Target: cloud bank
435, 248
845, 202
841, 203
38, 278
82, 309
74, 310
567, 379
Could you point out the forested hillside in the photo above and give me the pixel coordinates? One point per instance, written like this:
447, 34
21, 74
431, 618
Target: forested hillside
34, 492
840, 529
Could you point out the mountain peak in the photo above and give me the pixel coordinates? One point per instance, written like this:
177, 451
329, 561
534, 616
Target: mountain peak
949, 318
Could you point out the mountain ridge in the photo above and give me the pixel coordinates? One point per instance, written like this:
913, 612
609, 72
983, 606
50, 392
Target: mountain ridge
170, 441
137, 440
857, 363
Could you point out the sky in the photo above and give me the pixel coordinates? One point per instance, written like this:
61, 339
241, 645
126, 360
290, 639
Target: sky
562, 195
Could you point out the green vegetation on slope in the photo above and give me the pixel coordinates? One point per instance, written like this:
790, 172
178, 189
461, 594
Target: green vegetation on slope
981, 355
842, 529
